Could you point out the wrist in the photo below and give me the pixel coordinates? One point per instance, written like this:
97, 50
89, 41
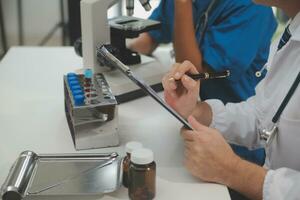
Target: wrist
243, 174
231, 169
203, 113
190, 112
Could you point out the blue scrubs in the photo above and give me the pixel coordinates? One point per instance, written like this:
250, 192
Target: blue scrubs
238, 38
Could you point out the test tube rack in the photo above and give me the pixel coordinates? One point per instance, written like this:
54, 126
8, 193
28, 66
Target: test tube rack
91, 111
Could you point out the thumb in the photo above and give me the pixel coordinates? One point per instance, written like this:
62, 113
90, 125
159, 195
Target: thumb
195, 124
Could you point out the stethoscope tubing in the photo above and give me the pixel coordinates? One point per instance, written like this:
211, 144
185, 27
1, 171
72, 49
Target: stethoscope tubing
265, 134
268, 135
203, 22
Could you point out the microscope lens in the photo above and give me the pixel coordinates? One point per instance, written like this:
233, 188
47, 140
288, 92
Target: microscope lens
146, 5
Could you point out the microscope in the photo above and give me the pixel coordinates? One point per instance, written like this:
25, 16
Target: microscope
98, 30
92, 97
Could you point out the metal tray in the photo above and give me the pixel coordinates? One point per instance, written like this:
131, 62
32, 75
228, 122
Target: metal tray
62, 174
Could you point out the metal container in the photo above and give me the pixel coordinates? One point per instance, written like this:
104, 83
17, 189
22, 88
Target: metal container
62, 174
93, 122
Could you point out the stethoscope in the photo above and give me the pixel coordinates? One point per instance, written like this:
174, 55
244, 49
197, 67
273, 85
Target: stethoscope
269, 134
203, 22
201, 26
258, 74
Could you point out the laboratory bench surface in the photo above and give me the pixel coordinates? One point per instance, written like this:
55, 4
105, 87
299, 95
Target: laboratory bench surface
32, 118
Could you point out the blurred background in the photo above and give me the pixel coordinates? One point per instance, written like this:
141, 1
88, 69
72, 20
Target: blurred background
57, 22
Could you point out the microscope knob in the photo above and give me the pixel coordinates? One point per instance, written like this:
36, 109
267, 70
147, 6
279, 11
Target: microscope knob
78, 47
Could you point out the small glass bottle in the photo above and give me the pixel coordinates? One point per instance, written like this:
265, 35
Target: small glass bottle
129, 147
142, 175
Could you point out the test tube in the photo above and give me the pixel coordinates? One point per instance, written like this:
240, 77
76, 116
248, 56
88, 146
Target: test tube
88, 74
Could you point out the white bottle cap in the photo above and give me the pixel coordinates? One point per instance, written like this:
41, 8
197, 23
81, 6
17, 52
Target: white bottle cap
130, 146
142, 156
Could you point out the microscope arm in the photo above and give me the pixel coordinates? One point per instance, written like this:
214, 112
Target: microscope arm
94, 28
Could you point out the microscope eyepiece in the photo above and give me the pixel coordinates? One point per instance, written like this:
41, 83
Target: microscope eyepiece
129, 7
146, 4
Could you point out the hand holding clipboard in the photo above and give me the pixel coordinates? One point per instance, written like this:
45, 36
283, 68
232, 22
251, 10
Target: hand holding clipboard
111, 60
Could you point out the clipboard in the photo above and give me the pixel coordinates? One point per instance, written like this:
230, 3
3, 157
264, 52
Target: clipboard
113, 62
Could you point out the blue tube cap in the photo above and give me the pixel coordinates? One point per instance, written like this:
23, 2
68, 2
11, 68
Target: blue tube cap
75, 87
77, 92
72, 78
88, 73
71, 75
74, 83
79, 99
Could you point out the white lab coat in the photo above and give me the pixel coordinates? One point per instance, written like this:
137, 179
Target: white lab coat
240, 123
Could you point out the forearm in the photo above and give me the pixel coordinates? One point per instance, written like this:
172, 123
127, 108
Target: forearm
240, 175
246, 178
143, 44
203, 113
185, 43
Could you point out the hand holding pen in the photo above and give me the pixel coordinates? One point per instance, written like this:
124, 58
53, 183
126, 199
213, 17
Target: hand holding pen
181, 97
184, 97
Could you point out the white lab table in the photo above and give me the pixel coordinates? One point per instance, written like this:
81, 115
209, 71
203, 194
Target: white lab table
32, 118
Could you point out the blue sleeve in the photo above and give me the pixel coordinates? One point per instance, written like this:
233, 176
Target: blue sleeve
237, 39
162, 35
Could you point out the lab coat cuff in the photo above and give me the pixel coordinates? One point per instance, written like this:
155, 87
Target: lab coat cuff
217, 108
267, 184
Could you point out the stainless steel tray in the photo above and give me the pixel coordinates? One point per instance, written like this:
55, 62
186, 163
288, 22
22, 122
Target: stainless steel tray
62, 174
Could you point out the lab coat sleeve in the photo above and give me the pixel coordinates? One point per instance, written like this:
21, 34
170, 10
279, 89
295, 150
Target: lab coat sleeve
281, 184
238, 122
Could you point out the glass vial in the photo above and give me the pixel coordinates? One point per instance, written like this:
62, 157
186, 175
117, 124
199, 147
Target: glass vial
142, 175
129, 147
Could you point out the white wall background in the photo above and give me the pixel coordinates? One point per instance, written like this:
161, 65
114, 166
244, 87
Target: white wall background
39, 16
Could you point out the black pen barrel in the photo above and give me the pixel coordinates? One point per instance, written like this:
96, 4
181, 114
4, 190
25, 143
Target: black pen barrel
210, 75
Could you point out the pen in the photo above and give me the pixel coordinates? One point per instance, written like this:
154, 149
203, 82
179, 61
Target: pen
210, 75
207, 75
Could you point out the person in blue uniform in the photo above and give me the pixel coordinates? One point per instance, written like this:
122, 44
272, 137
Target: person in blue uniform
237, 38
